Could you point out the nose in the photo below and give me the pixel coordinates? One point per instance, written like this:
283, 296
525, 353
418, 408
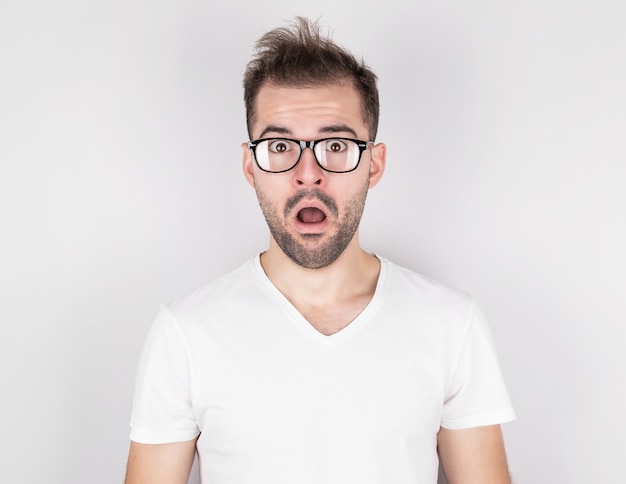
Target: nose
307, 172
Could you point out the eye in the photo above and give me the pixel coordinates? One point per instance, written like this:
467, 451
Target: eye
336, 146
279, 146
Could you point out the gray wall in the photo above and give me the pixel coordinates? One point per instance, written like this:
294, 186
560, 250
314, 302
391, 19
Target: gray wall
121, 188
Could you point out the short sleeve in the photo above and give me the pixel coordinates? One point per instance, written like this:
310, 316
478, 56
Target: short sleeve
476, 394
162, 408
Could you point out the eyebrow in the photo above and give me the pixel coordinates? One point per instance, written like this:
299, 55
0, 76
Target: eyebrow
274, 129
338, 128
330, 129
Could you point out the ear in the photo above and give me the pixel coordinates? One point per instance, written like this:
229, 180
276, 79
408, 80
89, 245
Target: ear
248, 164
377, 163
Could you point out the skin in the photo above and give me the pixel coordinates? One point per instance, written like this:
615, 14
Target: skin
160, 463
332, 295
329, 293
473, 456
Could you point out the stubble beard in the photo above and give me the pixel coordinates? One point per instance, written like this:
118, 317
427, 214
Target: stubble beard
311, 251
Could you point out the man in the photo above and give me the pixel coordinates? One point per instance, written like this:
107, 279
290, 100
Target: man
317, 362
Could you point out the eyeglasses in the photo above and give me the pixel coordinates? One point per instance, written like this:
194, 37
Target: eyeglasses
336, 155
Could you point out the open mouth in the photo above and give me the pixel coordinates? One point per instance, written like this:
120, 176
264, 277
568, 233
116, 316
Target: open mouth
311, 215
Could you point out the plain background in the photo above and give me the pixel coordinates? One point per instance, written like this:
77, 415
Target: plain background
121, 188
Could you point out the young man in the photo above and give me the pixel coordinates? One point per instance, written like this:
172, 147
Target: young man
317, 362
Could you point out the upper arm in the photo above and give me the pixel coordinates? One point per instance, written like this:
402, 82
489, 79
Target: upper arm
160, 463
473, 456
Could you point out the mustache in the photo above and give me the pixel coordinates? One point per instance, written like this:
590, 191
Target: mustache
309, 194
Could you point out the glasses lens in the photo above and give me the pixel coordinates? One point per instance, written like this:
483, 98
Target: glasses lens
338, 155
335, 154
277, 154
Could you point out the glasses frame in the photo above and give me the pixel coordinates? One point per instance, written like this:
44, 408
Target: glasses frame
362, 145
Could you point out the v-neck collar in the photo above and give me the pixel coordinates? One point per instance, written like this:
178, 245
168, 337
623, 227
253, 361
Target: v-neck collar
352, 329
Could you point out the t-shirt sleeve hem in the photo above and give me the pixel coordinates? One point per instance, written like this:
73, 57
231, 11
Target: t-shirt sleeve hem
492, 417
146, 436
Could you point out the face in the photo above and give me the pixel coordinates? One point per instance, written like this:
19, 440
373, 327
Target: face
313, 215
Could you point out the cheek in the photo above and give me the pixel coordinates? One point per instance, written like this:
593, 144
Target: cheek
268, 198
354, 189
276, 187
353, 205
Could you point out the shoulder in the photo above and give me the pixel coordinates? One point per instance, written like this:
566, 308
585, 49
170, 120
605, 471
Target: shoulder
424, 307
237, 287
406, 285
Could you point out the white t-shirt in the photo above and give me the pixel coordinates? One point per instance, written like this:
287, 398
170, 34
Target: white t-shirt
276, 402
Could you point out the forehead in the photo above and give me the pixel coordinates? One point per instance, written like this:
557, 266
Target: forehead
305, 112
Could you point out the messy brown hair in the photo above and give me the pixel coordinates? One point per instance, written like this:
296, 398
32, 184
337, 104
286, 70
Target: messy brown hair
301, 56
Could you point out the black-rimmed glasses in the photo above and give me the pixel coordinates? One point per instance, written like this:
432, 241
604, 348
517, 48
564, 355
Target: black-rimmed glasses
336, 155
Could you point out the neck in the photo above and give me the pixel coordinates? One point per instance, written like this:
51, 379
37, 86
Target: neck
355, 271
329, 298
